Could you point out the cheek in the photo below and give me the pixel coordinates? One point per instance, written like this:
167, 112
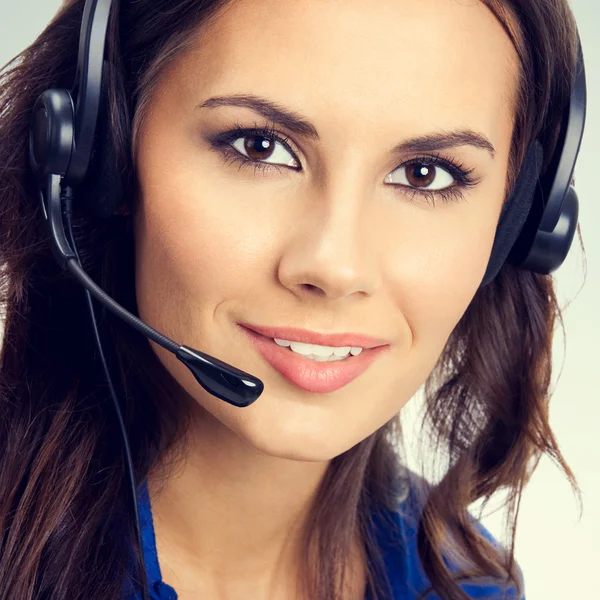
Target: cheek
197, 251
434, 275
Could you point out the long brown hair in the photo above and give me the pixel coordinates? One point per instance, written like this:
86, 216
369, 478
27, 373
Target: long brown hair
66, 527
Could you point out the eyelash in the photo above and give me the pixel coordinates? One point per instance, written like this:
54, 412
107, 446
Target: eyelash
462, 175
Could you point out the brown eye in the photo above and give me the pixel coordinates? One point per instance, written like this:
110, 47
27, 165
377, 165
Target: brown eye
420, 175
260, 148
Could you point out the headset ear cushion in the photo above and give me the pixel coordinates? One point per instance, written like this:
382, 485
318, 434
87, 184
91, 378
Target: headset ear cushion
103, 190
515, 210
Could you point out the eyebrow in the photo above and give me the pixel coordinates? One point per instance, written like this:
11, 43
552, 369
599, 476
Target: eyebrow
300, 125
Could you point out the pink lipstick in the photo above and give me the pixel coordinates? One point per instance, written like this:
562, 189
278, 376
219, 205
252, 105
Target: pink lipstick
306, 373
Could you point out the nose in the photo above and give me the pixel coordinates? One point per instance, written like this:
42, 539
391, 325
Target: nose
334, 250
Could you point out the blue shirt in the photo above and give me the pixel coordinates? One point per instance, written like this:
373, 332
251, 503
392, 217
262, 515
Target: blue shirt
397, 545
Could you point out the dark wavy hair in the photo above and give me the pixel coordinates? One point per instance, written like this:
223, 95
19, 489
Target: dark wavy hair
65, 522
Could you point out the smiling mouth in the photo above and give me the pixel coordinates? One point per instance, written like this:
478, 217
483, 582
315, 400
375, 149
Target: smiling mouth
316, 375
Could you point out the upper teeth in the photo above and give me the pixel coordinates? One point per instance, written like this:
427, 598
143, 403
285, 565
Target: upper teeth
316, 350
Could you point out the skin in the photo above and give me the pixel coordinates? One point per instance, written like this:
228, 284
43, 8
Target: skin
331, 248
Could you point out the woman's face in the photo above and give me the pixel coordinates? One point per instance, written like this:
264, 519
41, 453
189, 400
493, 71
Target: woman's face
336, 238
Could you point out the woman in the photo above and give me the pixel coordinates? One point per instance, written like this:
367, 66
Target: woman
273, 193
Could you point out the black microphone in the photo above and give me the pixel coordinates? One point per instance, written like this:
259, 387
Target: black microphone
217, 377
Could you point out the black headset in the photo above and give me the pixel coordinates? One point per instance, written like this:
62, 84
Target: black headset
535, 229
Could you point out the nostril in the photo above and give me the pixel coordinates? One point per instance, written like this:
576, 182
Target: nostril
313, 289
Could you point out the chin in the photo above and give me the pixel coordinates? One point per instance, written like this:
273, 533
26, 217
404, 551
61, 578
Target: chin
299, 448
299, 441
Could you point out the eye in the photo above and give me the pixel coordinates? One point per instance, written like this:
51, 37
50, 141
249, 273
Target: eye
264, 148
432, 178
423, 174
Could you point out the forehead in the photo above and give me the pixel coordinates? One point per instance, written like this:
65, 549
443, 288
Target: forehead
417, 64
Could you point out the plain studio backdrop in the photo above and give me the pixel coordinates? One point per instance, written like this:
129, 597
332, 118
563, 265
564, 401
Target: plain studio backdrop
558, 552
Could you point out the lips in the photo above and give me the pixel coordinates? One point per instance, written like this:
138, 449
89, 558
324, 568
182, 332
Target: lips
307, 374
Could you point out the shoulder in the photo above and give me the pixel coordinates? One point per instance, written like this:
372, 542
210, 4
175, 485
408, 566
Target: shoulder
396, 533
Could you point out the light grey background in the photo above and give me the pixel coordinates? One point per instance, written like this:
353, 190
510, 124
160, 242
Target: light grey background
559, 554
